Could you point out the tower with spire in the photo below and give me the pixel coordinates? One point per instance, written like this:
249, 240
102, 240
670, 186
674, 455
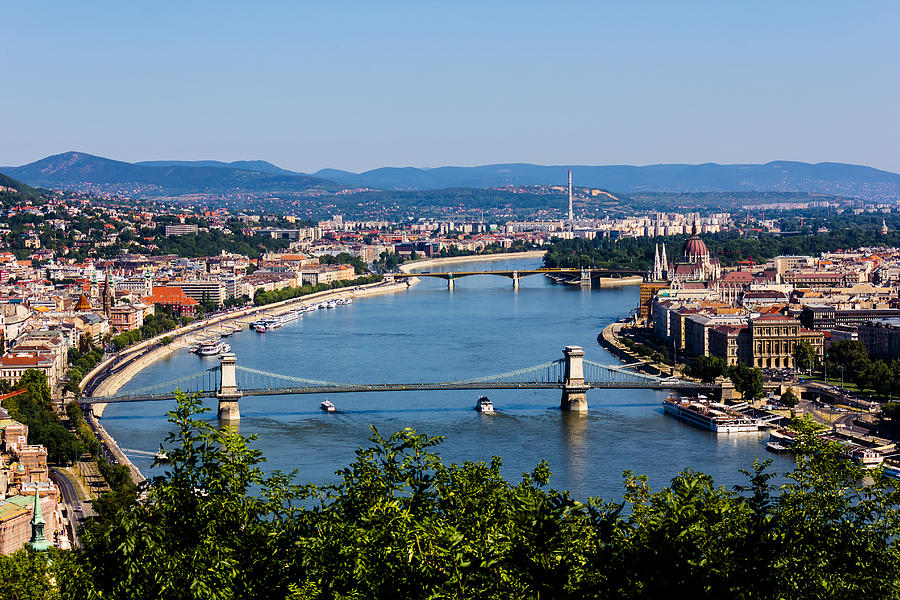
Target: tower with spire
107, 296
884, 228
38, 541
664, 264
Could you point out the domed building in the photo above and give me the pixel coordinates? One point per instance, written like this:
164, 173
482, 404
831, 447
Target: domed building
695, 264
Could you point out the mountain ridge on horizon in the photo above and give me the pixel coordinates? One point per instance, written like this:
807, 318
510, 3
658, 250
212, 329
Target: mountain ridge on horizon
72, 168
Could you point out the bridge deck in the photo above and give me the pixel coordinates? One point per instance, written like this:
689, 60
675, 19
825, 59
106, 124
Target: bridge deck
400, 387
520, 272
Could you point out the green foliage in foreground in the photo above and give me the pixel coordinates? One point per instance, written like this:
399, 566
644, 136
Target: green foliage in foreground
400, 523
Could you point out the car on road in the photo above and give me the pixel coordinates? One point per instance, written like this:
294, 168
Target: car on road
78, 508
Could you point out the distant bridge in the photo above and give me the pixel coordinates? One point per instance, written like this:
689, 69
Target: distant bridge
572, 374
584, 275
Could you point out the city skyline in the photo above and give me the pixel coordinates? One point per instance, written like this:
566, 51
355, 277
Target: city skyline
310, 87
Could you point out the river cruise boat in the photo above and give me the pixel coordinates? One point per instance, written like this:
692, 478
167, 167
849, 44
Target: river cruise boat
213, 348
868, 458
711, 416
484, 405
331, 304
344, 301
327, 406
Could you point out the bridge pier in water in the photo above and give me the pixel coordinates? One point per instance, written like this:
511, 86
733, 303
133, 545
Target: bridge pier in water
515, 279
450, 281
574, 394
228, 394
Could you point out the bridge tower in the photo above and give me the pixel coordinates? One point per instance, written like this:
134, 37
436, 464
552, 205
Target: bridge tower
585, 278
574, 394
228, 393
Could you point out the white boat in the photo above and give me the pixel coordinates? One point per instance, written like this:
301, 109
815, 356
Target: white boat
260, 328
708, 415
213, 348
484, 405
331, 304
344, 301
327, 406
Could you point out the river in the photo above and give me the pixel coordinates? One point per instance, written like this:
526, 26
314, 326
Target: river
428, 333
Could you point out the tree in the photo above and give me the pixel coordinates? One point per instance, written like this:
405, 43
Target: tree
400, 523
707, 368
28, 574
805, 356
789, 399
748, 382
850, 354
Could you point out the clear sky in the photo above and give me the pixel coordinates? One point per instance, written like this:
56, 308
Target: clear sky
358, 85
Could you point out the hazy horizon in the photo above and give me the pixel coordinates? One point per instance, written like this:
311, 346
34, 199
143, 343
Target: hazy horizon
358, 87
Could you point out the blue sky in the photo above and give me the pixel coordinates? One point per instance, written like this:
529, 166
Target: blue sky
359, 85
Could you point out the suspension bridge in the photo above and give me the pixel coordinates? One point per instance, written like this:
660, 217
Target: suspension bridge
573, 374
584, 275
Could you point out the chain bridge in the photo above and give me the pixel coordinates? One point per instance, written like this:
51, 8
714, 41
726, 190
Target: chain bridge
573, 374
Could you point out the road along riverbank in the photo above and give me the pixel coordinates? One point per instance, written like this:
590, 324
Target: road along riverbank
109, 376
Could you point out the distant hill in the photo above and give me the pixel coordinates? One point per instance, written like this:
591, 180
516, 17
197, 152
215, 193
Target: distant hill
13, 191
77, 170
259, 166
780, 176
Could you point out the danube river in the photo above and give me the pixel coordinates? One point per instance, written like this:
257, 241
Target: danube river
482, 327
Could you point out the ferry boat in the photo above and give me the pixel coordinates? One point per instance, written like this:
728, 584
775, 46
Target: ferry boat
869, 458
260, 328
272, 323
327, 406
213, 348
257, 324
708, 415
484, 405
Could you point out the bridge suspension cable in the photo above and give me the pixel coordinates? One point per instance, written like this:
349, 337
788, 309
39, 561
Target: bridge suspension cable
264, 377
595, 372
204, 381
549, 372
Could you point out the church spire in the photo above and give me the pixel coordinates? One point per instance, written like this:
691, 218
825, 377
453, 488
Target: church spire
664, 264
656, 265
38, 541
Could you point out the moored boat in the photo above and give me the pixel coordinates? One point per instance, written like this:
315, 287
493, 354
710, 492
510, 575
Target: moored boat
777, 448
213, 348
711, 416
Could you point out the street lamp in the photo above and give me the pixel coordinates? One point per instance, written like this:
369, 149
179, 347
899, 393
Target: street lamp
842, 377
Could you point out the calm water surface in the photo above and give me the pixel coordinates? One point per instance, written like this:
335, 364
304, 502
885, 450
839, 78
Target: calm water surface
429, 333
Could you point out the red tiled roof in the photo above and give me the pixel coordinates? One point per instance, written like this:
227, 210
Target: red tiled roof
27, 360
170, 295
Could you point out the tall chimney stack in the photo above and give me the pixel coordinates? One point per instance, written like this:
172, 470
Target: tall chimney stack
571, 215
